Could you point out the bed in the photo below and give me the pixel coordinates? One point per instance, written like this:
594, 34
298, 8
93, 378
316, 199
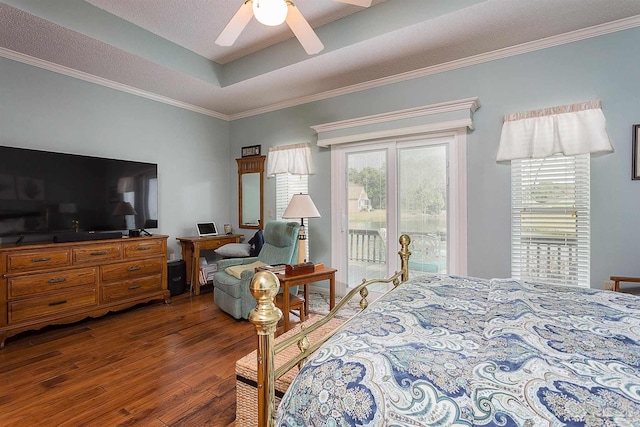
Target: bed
443, 350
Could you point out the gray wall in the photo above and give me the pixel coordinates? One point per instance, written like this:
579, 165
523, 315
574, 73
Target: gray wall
43, 110
198, 179
602, 68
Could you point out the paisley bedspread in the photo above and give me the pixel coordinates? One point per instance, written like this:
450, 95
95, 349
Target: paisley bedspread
455, 351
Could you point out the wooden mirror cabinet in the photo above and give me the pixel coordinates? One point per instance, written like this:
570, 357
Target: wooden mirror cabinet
251, 192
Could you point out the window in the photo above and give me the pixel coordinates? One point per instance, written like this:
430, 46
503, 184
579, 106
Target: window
286, 186
550, 219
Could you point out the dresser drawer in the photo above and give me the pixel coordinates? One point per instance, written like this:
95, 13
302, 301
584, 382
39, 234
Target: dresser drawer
58, 303
130, 288
38, 260
143, 248
46, 282
130, 270
97, 253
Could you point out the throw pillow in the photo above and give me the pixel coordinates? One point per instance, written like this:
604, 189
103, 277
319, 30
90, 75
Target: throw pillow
236, 270
234, 250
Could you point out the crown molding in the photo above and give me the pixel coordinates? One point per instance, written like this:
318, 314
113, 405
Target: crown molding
573, 36
61, 69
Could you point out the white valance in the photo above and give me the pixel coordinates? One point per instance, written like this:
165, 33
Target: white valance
294, 159
568, 130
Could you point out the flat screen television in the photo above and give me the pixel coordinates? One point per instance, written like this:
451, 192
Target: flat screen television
43, 194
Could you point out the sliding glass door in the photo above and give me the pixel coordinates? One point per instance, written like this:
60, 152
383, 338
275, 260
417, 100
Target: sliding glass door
386, 189
422, 205
367, 218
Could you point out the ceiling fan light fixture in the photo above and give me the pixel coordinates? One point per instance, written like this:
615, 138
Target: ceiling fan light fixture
270, 12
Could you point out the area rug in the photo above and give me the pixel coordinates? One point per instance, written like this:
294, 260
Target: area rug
319, 304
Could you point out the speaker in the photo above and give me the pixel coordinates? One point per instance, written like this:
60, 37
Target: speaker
176, 276
86, 235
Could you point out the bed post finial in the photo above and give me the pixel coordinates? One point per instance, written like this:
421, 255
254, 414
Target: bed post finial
264, 287
404, 253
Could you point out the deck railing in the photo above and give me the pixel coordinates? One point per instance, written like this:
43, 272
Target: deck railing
370, 245
551, 260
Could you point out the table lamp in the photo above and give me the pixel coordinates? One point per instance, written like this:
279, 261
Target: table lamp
301, 206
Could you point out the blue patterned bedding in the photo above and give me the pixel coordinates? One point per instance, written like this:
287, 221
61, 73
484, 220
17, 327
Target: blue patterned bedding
454, 351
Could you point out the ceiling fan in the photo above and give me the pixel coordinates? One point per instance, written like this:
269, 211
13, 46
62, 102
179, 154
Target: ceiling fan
275, 12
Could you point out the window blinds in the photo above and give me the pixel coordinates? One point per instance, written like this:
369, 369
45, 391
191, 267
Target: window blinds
286, 186
550, 219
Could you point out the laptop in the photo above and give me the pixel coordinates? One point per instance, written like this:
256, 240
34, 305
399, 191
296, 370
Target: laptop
206, 229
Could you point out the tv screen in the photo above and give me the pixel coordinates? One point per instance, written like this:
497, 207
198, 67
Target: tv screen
45, 193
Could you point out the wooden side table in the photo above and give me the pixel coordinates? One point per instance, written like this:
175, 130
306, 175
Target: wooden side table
618, 279
191, 247
286, 282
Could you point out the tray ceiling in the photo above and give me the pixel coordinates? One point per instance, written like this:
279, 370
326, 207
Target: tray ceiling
165, 50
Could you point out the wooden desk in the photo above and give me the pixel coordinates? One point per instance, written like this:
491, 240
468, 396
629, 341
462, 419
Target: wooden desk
618, 279
303, 280
191, 247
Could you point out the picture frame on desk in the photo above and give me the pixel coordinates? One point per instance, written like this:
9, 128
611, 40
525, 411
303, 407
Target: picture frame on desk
251, 150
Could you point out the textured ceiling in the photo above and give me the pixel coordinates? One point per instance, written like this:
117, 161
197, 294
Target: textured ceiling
164, 49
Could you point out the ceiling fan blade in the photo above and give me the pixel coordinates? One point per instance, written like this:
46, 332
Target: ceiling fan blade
362, 3
233, 29
303, 31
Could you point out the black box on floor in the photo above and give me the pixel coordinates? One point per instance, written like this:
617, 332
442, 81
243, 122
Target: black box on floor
176, 276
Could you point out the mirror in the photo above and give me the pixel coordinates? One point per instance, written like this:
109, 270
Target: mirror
250, 192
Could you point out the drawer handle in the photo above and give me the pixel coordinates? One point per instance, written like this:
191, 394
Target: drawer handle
98, 253
64, 301
60, 280
133, 287
41, 259
144, 248
133, 268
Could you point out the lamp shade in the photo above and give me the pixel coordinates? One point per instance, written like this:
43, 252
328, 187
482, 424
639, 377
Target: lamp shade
301, 206
124, 208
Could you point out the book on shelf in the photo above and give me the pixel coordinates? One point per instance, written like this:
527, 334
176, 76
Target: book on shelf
207, 272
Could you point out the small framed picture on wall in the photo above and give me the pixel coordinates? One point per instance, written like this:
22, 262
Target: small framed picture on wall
251, 150
635, 164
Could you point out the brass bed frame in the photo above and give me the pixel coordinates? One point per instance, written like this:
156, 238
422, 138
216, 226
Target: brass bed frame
265, 317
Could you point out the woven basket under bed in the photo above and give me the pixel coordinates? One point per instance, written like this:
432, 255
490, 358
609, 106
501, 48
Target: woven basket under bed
246, 377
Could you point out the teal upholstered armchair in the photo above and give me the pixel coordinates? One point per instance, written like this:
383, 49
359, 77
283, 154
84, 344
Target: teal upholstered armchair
280, 246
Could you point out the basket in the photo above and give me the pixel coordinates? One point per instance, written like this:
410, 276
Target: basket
246, 376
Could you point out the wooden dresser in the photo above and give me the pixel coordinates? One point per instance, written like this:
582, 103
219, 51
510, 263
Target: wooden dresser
56, 283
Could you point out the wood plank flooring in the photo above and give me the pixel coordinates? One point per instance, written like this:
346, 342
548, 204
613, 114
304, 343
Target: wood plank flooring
152, 365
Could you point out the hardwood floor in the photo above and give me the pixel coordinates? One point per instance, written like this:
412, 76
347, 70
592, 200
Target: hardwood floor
153, 365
